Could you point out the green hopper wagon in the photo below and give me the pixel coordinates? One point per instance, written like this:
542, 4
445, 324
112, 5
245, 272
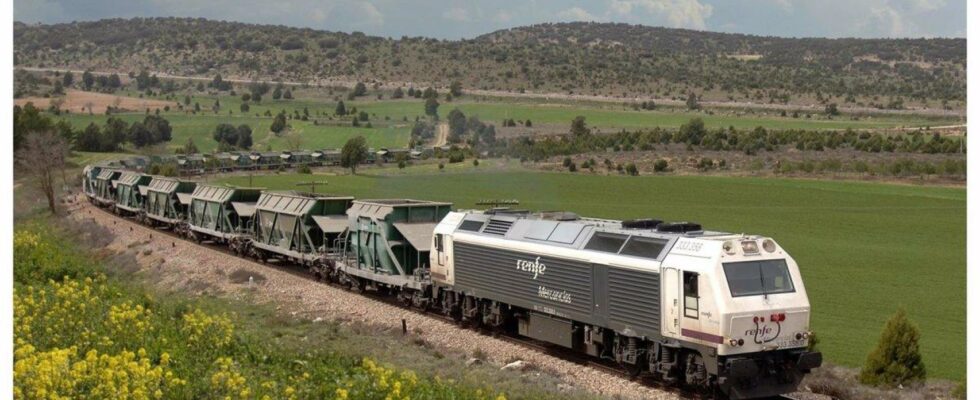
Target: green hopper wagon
105, 192
220, 212
299, 227
130, 187
167, 200
389, 240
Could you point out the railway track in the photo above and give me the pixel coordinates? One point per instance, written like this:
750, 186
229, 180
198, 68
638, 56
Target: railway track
606, 366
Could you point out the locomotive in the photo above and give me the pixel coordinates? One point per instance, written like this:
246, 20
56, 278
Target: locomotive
726, 313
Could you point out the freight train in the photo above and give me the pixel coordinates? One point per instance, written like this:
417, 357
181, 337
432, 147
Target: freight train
723, 312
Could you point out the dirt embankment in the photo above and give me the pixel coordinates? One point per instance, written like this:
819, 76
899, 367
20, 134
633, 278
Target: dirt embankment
78, 101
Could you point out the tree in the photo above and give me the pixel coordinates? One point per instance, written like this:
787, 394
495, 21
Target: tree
115, 132
138, 135
187, 100
246, 97
277, 94
288, 94
359, 89
341, 109
90, 139
219, 83
189, 147
692, 101
28, 119
831, 109
226, 134
68, 79
432, 107
42, 155
896, 360
456, 89
429, 93
244, 107
398, 93
579, 127
457, 125
88, 79
631, 169
244, 137
143, 80
159, 128
354, 153
278, 124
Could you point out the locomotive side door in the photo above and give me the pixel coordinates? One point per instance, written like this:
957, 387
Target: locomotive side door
670, 286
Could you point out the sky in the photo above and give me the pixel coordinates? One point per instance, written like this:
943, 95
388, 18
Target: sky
455, 19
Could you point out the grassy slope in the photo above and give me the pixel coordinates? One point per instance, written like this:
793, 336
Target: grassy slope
865, 249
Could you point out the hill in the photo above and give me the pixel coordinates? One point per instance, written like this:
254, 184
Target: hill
574, 58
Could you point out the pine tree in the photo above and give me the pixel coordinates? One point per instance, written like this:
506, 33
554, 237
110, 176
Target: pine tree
896, 360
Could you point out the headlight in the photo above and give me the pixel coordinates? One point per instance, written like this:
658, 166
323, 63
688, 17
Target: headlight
750, 247
769, 246
728, 247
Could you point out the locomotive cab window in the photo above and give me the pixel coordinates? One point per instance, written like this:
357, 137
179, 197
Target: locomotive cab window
439, 242
690, 294
753, 278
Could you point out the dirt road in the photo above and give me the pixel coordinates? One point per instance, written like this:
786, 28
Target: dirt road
442, 134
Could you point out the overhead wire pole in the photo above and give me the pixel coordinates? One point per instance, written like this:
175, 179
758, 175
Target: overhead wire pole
312, 185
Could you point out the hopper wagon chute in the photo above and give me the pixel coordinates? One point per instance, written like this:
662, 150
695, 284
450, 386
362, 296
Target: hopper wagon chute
130, 189
298, 227
389, 241
221, 213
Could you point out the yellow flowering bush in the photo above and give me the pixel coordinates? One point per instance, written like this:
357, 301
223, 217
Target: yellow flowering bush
64, 374
82, 335
201, 328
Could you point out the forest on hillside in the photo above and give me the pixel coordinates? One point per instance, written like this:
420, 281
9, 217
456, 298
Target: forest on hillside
608, 59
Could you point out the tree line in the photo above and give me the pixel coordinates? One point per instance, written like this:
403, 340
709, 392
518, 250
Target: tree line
108, 137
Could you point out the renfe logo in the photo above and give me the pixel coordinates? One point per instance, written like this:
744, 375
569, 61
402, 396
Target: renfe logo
535, 267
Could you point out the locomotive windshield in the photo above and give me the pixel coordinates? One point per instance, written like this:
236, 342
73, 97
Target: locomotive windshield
753, 278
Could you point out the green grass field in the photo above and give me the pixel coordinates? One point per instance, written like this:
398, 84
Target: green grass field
865, 249
392, 119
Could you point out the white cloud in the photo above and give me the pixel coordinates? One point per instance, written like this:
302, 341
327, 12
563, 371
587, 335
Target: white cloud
673, 13
502, 16
576, 14
456, 14
372, 15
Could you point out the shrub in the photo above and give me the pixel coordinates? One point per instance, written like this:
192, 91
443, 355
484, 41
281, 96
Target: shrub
632, 170
896, 360
305, 170
660, 165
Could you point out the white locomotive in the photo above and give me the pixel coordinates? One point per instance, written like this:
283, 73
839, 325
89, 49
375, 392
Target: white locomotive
727, 312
